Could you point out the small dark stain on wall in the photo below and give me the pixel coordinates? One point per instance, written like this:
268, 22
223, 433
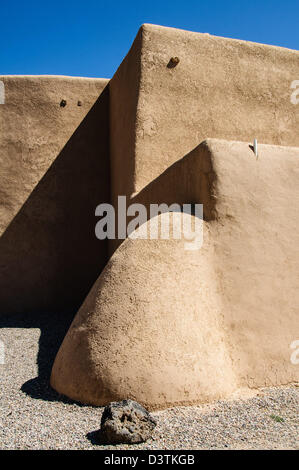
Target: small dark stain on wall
173, 62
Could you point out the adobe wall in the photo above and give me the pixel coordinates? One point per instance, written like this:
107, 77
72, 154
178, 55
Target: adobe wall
159, 324
166, 326
221, 88
54, 171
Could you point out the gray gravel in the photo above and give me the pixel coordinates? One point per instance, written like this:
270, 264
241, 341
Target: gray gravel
33, 416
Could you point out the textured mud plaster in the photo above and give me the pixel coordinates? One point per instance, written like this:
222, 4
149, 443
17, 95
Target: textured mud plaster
221, 88
166, 326
54, 171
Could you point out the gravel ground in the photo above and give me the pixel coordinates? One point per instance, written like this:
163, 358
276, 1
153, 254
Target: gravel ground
33, 416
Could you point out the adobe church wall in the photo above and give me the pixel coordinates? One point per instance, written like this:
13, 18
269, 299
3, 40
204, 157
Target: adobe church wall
220, 88
54, 153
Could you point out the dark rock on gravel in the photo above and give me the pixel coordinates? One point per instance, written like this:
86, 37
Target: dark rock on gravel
125, 422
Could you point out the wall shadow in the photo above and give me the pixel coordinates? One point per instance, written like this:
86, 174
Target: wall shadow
190, 180
53, 327
49, 255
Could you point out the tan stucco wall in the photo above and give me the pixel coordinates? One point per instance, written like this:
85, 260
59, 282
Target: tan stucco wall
54, 171
161, 325
221, 88
167, 326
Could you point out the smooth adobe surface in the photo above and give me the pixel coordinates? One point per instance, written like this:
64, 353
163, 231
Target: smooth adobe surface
221, 88
166, 326
35, 128
54, 172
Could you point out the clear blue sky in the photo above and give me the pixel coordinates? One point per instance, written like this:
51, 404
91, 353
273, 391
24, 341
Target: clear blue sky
90, 38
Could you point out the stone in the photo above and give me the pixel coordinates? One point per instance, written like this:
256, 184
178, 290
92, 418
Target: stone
125, 422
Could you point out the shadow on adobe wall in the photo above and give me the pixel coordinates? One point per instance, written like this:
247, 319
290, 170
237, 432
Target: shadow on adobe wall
190, 180
49, 255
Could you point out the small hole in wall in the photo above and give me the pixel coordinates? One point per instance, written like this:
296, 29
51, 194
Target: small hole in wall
62, 103
173, 62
